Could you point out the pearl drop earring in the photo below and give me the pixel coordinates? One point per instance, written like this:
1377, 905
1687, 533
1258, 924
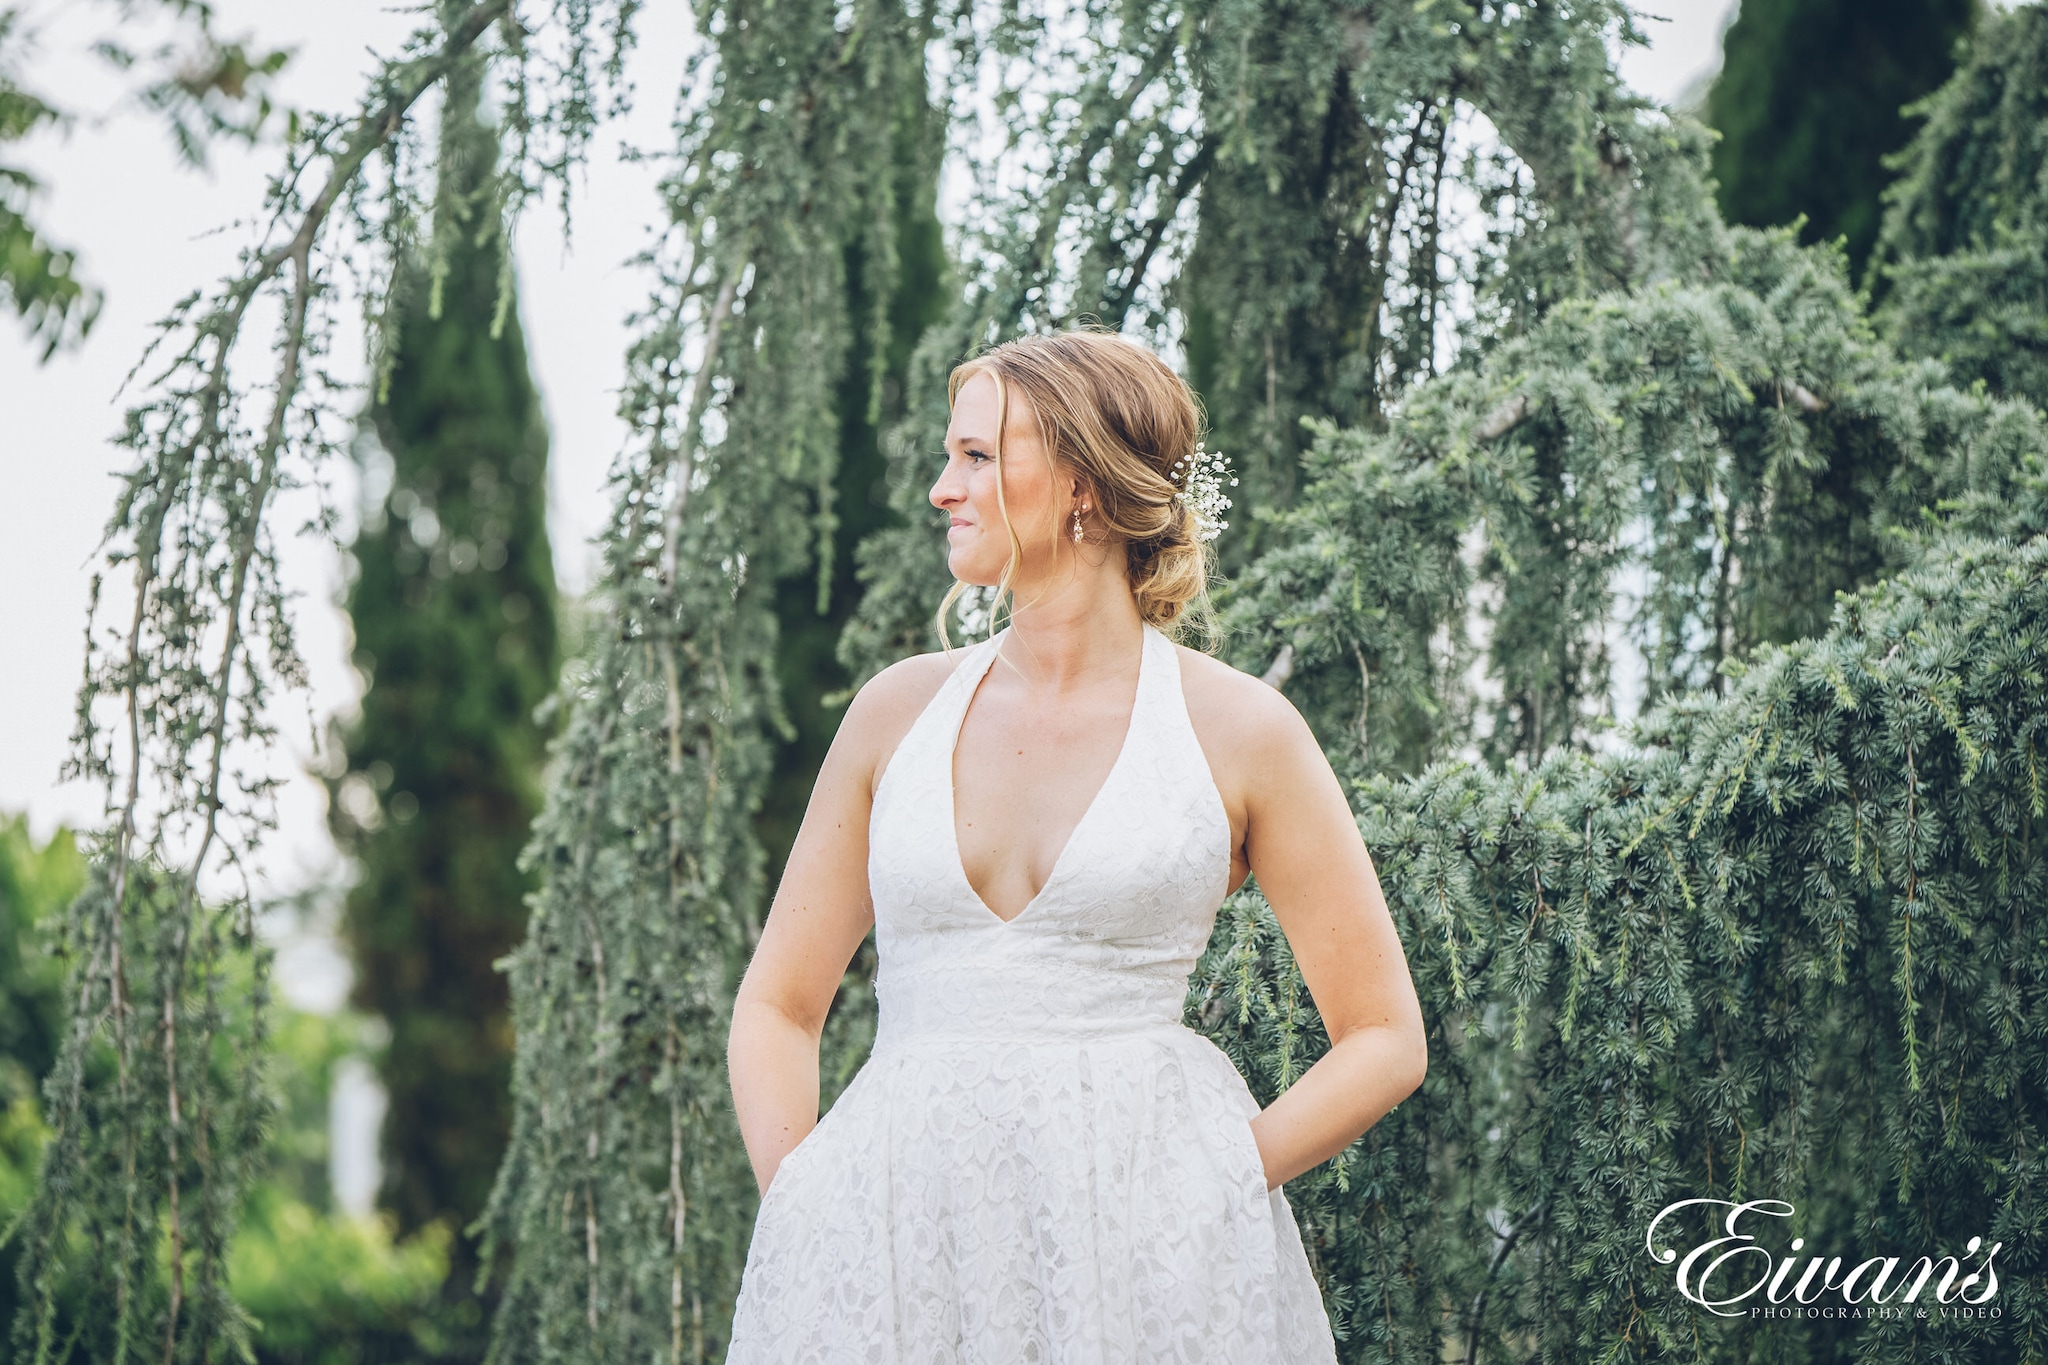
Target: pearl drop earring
1077, 522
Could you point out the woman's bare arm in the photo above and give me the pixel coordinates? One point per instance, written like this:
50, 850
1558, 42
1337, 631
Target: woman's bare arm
820, 914
1302, 841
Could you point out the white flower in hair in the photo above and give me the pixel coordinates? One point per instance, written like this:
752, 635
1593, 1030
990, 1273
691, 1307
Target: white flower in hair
1200, 479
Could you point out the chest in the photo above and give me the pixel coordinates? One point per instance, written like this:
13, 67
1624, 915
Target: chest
1025, 773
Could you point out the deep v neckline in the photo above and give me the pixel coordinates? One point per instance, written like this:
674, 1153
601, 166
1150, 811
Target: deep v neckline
1116, 766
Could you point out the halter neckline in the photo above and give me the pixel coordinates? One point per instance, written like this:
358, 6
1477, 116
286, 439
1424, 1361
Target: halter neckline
973, 672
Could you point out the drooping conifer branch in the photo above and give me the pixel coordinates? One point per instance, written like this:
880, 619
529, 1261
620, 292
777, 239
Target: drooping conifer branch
153, 1137
625, 1188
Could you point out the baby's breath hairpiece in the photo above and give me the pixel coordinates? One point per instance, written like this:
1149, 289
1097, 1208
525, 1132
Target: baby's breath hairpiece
1199, 480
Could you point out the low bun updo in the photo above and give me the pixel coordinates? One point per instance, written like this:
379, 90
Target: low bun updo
1114, 414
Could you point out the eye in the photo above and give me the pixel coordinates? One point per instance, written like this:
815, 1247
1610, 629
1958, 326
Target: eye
978, 455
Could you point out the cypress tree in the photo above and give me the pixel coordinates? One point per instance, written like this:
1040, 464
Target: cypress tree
1809, 102
453, 611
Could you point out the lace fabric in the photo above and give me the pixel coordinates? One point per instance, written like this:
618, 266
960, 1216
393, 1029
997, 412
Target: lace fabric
1039, 1162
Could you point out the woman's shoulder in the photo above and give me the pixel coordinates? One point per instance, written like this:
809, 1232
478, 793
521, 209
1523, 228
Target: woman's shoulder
1240, 719
888, 704
909, 683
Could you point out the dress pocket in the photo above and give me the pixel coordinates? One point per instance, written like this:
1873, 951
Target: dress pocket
1251, 1166
779, 1182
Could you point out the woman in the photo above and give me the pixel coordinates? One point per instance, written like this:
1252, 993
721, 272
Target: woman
1039, 1162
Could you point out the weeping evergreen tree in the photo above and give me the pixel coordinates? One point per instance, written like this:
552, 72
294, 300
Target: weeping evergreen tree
452, 604
203, 87
1726, 425
1350, 147
812, 610
1592, 936
1965, 249
626, 1190
1628, 387
1779, 951
1742, 440
1203, 184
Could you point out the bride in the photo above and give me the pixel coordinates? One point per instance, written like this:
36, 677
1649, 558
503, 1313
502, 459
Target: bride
1039, 1161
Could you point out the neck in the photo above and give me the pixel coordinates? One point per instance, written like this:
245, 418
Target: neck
1083, 629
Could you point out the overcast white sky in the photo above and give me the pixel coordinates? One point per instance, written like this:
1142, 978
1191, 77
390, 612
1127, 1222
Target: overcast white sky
149, 229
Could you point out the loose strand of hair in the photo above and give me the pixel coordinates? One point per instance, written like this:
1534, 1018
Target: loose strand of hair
1003, 581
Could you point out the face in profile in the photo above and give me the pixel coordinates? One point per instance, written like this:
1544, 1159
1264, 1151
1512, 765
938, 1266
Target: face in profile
1038, 500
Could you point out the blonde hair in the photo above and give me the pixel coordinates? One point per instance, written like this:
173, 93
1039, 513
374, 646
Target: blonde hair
1111, 412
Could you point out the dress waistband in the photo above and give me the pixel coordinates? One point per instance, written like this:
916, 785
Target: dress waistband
969, 1002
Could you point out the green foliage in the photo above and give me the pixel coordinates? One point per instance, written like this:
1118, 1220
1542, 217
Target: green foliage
35, 886
322, 1287
452, 605
1977, 159
1720, 420
1708, 965
812, 613
1965, 246
1320, 191
1353, 145
306, 1276
1740, 446
1781, 950
1777, 945
1808, 104
37, 279
329, 1290
156, 1105
1730, 431
203, 88
626, 1190
317, 1285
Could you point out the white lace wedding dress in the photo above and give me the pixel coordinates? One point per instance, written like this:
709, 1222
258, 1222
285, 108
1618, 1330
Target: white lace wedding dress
1039, 1162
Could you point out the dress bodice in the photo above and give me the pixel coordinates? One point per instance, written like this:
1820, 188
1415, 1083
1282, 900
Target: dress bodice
1108, 943
1038, 1161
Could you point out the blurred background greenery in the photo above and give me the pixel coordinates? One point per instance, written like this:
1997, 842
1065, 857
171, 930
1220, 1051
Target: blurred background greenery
326, 1288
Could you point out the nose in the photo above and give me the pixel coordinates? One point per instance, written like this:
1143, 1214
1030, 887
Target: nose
945, 491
